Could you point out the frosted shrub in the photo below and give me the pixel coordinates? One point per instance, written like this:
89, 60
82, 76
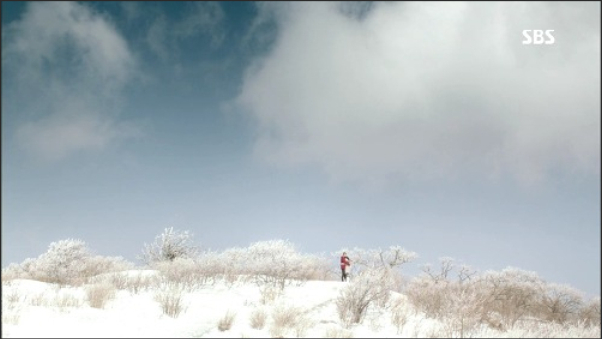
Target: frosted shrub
335, 332
226, 322
285, 319
389, 259
371, 287
590, 312
64, 263
258, 318
66, 301
135, 283
183, 271
512, 294
98, 294
96, 265
314, 267
14, 271
400, 314
269, 294
11, 313
560, 303
211, 266
274, 262
170, 300
168, 246
428, 295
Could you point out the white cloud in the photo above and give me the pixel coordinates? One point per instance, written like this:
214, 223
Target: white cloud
430, 90
59, 135
68, 66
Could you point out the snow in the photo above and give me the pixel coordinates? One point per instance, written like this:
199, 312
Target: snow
138, 315
37, 309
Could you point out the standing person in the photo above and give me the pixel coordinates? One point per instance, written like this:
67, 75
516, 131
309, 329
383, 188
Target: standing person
345, 264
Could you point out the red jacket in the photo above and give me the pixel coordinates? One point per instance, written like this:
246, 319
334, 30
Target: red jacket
344, 261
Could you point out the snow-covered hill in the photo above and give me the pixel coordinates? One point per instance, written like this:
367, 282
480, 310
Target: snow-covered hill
36, 309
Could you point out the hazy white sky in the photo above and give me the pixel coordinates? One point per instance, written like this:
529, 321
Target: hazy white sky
424, 124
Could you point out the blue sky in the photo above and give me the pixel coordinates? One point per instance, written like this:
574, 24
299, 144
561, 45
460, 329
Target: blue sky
425, 125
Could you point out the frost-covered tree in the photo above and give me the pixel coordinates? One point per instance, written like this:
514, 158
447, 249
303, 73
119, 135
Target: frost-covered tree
370, 288
168, 246
560, 303
274, 262
590, 312
391, 258
513, 293
65, 261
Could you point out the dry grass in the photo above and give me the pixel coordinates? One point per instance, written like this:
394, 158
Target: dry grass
66, 301
38, 300
258, 318
399, 315
335, 332
11, 297
287, 319
11, 316
139, 283
10, 307
170, 301
98, 294
226, 322
269, 294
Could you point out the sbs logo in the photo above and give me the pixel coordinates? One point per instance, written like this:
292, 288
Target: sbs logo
538, 37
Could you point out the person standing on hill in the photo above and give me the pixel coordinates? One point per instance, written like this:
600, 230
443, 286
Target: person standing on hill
345, 265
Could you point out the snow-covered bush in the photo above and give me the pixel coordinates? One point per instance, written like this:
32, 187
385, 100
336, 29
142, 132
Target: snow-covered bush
337, 332
225, 323
212, 266
288, 319
275, 263
388, 259
501, 300
512, 294
67, 261
371, 288
168, 246
98, 294
400, 313
560, 303
17, 271
183, 271
170, 298
64, 263
98, 264
590, 312
135, 283
258, 318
